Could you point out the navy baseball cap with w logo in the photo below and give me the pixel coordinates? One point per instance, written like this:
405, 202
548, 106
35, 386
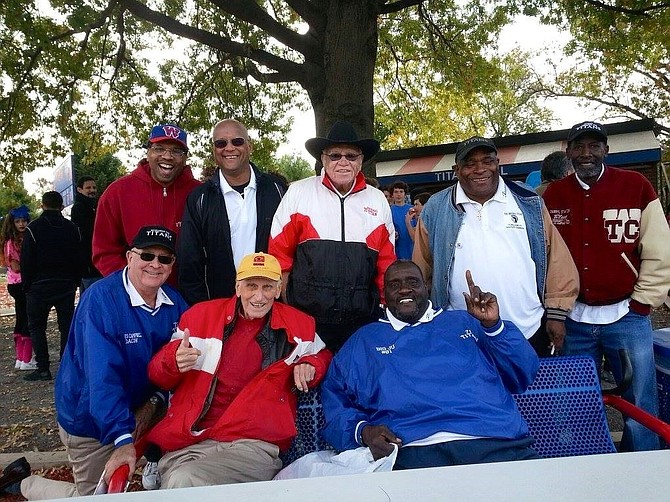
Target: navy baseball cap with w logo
167, 132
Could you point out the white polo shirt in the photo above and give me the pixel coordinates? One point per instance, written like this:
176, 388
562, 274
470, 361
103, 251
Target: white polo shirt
241, 217
492, 243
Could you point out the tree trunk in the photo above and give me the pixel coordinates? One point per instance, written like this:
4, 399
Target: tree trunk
345, 91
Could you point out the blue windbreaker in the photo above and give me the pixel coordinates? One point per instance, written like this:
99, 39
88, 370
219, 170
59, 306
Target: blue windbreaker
446, 375
103, 373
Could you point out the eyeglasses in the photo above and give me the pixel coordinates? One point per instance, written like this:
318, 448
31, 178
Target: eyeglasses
337, 156
222, 143
162, 259
175, 152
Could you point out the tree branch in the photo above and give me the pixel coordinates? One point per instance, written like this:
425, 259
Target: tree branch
643, 11
392, 7
612, 104
310, 13
250, 12
290, 70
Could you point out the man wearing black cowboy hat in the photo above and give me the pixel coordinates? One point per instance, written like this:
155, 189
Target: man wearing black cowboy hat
333, 236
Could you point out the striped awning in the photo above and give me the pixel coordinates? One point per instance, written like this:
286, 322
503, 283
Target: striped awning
625, 149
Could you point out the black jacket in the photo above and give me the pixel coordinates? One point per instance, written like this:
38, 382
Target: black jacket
83, 215
204, 256
51, 252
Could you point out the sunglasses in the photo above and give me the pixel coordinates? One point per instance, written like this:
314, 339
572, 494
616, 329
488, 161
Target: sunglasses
162, 259
337, 156
222, 143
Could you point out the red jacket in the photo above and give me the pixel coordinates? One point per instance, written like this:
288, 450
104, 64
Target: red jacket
128, 204
265, 409
617, 236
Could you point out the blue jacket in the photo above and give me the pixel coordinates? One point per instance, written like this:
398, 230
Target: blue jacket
103, 378
443, 375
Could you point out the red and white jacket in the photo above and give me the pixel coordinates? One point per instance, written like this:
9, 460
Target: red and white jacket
265, 409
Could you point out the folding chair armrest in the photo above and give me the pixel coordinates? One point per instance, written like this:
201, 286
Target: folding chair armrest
642, 417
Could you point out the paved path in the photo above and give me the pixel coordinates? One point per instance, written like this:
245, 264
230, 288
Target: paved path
37, 459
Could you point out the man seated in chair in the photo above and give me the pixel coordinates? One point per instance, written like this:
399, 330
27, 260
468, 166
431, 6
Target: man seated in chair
234, 366
438, 384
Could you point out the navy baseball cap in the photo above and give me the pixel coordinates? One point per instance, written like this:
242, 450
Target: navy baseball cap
587, 127
155, 235
167, 132
465, 147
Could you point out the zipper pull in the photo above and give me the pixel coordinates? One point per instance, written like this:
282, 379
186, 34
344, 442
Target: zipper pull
164, 192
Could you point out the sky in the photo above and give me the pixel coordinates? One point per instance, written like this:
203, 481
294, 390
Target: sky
526, 33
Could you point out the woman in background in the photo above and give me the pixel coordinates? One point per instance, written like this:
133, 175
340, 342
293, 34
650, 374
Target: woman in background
13, 229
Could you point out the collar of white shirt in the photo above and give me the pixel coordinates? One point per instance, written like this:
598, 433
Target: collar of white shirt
584, 185
427, 316
136, 299
499, 196
225, 186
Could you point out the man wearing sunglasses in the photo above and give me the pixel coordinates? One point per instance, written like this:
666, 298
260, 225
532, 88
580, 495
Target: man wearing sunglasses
153, 194
334, 237
104, 399
226, 218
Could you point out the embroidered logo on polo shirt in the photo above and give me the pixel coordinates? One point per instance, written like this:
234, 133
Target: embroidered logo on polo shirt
514, 220
622, 225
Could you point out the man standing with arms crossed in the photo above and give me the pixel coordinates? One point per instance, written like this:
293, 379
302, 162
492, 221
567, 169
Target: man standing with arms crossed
613, 224
226, 218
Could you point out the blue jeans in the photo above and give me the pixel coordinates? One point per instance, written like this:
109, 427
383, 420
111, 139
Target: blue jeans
633, 333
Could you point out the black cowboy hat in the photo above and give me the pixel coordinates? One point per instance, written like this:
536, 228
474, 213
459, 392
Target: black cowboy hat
342, 133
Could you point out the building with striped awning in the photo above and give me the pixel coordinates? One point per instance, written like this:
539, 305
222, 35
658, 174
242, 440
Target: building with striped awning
633, 145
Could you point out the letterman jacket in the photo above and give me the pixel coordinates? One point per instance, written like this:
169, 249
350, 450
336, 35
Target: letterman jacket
618, 237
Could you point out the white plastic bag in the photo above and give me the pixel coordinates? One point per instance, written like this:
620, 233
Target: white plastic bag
327, 463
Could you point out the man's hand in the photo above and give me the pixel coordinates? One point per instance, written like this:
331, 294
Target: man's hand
380, 440
481, 305
302, 374
186, 356
556, 332
125, 454
410, 215
146, 416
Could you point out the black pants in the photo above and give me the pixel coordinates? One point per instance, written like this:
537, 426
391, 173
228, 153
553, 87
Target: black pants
467, 451
21, 318
40, 300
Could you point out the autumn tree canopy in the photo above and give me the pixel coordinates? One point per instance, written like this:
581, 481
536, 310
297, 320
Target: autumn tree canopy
429, 68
